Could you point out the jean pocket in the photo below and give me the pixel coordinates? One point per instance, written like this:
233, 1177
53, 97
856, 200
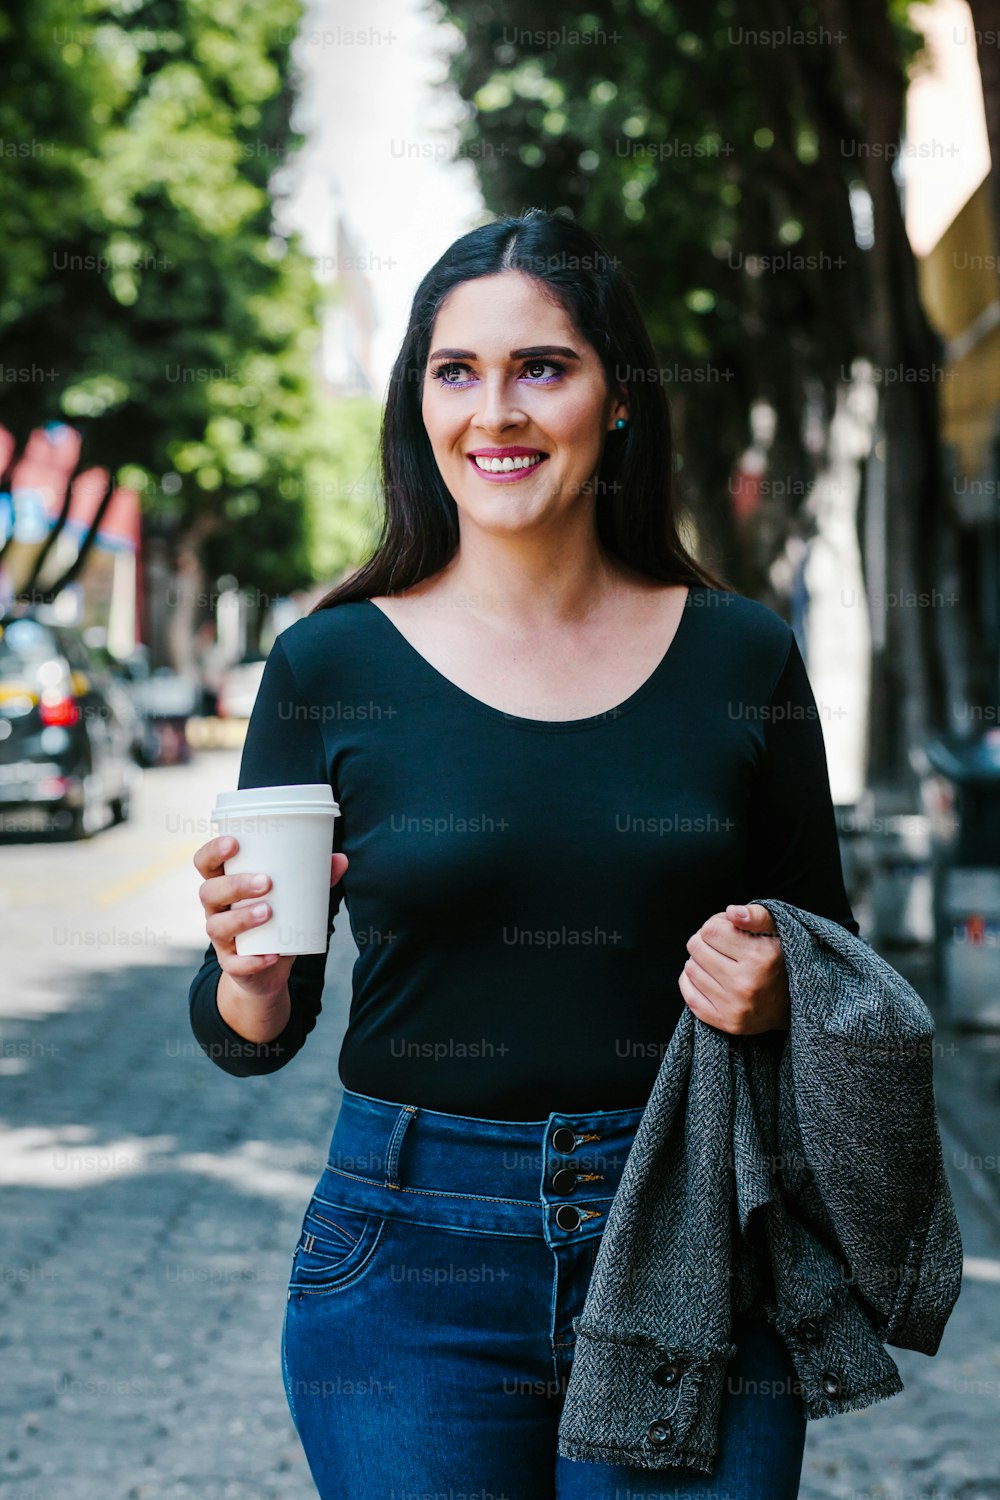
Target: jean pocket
336, 1246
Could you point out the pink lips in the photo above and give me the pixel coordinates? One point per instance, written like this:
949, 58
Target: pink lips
506, 476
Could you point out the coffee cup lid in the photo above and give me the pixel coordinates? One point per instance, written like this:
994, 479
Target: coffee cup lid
304, 797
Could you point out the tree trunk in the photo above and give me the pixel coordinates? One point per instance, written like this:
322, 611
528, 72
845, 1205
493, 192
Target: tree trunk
56, 529
907, 687
47, 594
7, 481
986, 20
186, 588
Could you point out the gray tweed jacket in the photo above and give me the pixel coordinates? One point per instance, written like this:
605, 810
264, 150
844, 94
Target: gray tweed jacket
799, 1170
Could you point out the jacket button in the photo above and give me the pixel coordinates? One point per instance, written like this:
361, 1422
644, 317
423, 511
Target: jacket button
810, 1330
659, 1433
564, 1140
567, 1216
830, 1383
667, 1374
564, 1181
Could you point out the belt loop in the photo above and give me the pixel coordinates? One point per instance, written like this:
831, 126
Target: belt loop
406, 1114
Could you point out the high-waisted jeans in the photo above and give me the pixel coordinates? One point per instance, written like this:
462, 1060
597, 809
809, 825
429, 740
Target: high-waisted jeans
428, 1325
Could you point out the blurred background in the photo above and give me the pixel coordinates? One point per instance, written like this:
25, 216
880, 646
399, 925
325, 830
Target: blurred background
213, 217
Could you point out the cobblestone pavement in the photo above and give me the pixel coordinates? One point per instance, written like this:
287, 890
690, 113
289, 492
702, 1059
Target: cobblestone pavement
939, 1439
152, 1204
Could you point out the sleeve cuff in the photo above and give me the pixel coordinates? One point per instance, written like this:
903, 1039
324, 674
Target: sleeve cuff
225, 1047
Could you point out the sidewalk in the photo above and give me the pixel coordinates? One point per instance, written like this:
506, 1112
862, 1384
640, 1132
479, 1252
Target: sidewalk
937, 1440
147, 1251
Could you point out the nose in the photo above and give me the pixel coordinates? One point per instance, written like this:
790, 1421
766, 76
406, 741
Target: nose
497, 408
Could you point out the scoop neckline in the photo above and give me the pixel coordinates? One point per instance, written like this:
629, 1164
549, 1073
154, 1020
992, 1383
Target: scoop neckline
551, 726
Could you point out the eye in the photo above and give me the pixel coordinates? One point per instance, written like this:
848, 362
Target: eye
443, 372
546, 364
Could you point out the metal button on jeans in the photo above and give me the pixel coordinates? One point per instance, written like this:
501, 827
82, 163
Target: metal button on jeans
564, 1140
568, 1216
564, 1181
659, 1433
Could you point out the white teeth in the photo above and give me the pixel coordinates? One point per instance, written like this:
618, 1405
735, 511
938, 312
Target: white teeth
503, 465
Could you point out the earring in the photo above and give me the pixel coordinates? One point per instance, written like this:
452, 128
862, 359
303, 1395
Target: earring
620, 423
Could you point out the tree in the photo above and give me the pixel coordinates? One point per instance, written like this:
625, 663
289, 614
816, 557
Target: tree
183, 327
986, 23
732, 156
49, 130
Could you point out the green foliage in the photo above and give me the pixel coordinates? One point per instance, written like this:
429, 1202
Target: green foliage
343, 484
704, 158
143, 265
48, 134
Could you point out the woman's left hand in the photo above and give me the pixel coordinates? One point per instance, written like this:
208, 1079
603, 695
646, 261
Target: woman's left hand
735, 979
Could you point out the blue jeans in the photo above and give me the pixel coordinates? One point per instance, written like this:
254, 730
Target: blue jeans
428, 1325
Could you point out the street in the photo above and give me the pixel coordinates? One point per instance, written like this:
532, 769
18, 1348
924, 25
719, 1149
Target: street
152, 1204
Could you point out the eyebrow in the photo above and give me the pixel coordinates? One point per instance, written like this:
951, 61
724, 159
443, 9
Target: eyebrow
533, 353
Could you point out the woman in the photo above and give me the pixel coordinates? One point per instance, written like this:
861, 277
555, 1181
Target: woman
560, 748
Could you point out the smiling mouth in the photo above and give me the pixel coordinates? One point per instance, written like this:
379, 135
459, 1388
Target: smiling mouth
519, 465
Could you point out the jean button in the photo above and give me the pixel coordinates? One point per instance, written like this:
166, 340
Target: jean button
564, 1140
659, 1433
564, 1181
567, 1216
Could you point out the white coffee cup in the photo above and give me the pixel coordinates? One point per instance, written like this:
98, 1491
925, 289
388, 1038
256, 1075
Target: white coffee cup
285, 832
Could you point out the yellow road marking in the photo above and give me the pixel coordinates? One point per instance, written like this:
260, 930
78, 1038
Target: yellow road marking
159, 867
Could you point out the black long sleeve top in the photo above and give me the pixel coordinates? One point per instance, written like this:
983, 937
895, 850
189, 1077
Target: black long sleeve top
521, 891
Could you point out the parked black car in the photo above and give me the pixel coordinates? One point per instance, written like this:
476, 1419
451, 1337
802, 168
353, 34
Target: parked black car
130, 676
67, 733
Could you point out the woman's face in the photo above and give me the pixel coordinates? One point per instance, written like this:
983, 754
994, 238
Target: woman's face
508, 375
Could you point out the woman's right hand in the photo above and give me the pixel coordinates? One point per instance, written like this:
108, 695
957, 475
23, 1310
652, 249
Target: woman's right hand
260, 976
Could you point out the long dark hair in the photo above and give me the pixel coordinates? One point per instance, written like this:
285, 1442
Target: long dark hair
635, 508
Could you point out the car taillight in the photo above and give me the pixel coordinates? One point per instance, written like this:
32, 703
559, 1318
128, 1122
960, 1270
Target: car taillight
59, 709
